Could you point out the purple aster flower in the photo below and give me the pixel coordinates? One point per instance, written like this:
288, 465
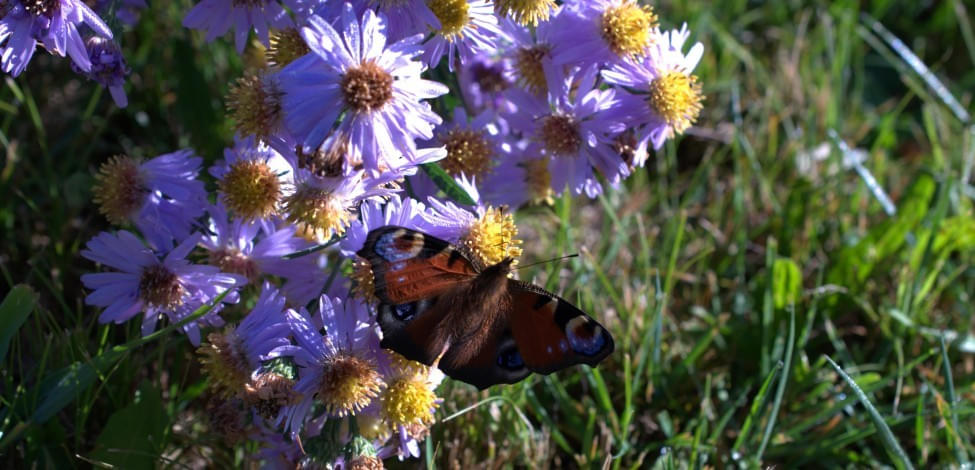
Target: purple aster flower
255, 249
377, 88
522, 176
161, 196
473, 147
661, 88
338, 358
107, 68
575, 129
404, 18
483, 82
54, 23
597, 32
252, 178
530, 57
154, 285
467, 27
374, 214
217, 16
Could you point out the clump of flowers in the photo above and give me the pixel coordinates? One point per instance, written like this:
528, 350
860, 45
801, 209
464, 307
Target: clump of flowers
343, 131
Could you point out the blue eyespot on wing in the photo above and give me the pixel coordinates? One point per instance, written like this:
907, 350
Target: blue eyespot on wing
553, 334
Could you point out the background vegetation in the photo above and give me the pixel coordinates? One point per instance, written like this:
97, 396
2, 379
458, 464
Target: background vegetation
731, 270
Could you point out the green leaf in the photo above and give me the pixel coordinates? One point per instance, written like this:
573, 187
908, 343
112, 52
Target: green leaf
62, 386
786, 282
447, 184
16, 307
134, 435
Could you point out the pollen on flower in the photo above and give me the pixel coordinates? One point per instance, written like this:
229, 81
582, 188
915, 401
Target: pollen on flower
159, 287
363, 284
453, 17
492, 237
317, 212
349, 384
408, 400
538, 179
676, 97
560, 135
120, 189
468, 152
367, 87
627, 28
287, 46
254, 103
268, 393
329, 160
372, 427
528, 62
251, 189
365, 462
224, 363
525, 12
231, 260
41, 7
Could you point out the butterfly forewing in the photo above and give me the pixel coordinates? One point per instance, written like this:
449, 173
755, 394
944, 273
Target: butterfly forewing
409, 266
553, 334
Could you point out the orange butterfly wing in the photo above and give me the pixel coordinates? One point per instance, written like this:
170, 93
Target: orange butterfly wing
409, 266
551, 333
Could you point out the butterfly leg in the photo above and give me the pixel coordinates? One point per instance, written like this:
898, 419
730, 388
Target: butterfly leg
446, 346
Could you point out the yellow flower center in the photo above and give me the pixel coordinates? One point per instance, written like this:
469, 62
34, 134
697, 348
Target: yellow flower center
468, 152
251, 189
363, 282
453, 16
538, 179
525, 12
676, 97
528, 62
560, 135
254, 103
492, 237
367, 87
268, 393
223, 363
349, 384
408, 400
627, 28
231, 260
120, 189
317, 213
159, 287
287, 46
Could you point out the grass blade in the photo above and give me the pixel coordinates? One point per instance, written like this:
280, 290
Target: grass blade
780, 388
878, 420
16, 307
960, 453
757, 406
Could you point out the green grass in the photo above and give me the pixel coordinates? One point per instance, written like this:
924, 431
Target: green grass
730, 274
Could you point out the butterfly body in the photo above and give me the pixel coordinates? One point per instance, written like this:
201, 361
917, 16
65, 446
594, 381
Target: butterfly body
485, 327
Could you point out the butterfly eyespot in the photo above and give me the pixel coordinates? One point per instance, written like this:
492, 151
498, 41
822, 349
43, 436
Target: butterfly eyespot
584, 337
399, 245
511, 359
405, 312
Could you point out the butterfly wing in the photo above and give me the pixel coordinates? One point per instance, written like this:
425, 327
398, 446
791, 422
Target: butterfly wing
409, 266
551, 333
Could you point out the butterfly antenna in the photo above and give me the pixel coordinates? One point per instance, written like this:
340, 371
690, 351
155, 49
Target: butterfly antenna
560, 258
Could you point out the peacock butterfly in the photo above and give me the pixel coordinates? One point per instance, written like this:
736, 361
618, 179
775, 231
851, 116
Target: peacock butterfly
436, 303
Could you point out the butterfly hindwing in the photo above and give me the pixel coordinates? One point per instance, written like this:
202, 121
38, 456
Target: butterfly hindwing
498, 361
553, 334
409, 266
